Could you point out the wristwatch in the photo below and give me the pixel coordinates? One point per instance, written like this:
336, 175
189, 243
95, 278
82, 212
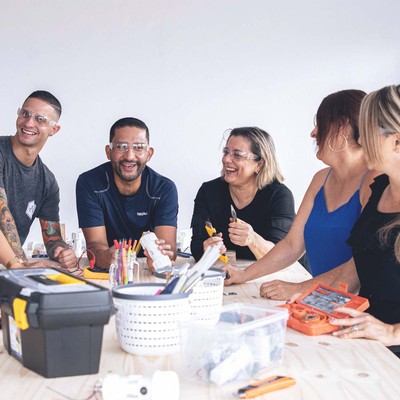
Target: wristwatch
16, 260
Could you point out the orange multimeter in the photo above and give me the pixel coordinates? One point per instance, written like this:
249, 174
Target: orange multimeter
310, 313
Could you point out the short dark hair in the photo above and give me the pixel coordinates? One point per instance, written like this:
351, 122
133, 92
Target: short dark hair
48, 98
129, 121
337, 109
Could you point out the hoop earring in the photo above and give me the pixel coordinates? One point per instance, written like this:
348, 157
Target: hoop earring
336, 150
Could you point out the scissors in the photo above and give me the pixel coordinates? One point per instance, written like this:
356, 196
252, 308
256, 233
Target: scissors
212, 232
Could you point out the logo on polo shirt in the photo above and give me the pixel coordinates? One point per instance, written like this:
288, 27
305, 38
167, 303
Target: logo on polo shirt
30, 209
141, 214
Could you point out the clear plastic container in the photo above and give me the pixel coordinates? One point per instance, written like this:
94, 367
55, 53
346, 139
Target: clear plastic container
245, 340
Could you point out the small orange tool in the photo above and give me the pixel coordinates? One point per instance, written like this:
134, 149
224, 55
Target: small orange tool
267, 385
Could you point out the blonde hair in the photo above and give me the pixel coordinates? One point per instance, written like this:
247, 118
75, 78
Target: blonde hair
262, 145
380, 115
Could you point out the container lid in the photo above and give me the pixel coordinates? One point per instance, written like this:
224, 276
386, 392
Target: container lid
145, 291
240, 317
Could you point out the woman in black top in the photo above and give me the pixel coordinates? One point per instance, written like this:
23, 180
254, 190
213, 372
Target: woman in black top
251, 182
375, 238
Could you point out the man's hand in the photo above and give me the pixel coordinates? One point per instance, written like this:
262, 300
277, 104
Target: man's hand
164, 248
66, 257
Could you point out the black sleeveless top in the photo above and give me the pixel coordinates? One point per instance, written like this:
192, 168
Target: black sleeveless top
377, 267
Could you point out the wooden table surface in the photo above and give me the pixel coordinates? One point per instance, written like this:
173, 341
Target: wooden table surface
324, 367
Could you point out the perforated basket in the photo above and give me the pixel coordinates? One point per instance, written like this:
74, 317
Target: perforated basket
147, 325
206, 299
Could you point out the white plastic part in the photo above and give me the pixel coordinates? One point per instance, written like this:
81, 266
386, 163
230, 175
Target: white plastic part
163, 385
160, 261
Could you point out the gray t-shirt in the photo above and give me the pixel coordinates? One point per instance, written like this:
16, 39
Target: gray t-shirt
32, 192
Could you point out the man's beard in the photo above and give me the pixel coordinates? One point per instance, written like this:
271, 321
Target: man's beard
131, 177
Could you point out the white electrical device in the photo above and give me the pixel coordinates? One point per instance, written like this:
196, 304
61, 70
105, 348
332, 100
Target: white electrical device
160, 261
163, 385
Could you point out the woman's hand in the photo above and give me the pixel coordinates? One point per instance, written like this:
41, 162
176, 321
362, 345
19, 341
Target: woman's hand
362, 325
214, 240
43, 264
233, 275
279, 290
241, 233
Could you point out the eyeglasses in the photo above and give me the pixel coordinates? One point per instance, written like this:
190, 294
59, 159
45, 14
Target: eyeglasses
41, 120
123, 147
315, 120
238, 155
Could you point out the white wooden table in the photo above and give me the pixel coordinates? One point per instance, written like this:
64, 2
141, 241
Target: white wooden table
324, 367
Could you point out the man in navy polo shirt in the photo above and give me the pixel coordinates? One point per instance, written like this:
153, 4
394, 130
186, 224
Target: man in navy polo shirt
124, 197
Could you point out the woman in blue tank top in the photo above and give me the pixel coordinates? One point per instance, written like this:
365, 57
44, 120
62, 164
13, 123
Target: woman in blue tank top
331, 205
325, 232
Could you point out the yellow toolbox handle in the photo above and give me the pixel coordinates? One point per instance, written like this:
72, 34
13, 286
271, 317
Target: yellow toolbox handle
19, 309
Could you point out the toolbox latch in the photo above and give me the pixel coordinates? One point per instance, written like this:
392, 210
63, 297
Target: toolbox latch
19, 310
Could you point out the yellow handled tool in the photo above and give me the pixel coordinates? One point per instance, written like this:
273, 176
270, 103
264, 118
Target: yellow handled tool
265, 386
212, 232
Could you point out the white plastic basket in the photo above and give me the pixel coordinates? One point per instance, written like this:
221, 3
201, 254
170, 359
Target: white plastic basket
147, 325
206, 299
207, 295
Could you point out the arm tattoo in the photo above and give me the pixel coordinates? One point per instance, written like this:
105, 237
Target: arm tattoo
8, 227
51, 233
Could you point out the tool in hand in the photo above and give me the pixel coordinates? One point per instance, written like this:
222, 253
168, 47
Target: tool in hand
212, 232
195, 274
265, 386
233, 213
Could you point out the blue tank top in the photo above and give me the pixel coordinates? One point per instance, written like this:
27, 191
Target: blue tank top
325, 233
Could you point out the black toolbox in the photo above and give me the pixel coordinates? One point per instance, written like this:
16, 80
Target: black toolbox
53, 321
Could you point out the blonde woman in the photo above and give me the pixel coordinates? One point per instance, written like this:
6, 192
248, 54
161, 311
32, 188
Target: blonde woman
250, 182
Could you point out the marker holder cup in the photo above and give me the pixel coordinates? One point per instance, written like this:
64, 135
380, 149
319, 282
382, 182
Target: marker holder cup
147, 324
124, 269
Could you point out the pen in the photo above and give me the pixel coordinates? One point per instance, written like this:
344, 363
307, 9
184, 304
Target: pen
138, 246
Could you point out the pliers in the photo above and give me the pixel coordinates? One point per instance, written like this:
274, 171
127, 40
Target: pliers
212, 232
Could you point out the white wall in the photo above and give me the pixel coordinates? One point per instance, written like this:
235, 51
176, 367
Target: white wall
190, 69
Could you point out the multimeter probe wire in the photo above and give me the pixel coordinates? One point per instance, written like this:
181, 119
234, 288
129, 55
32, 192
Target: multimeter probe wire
77, 270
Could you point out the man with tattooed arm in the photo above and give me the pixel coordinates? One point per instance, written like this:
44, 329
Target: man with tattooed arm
28, 189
